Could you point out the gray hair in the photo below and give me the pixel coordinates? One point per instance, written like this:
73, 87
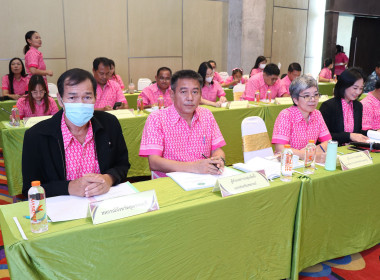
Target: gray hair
301, 83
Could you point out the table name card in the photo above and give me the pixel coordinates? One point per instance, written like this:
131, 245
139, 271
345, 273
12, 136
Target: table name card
122, 113
238, 104
284, 101
354, 160
122, 206
240, 183
29, 122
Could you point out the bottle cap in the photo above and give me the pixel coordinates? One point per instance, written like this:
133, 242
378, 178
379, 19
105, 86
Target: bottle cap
36, 183
14, 106
311, 141
287, 146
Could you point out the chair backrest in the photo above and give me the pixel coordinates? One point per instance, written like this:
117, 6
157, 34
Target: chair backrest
143, 83
238, 91
224, 75
53, 90
256, 141
246, 77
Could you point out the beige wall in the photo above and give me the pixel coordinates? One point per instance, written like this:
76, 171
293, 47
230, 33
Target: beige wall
139, 35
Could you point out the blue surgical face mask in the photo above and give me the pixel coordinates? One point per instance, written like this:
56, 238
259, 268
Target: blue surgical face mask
79, 113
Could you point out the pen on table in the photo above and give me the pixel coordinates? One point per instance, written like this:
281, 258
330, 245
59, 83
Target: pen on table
213, 163
323, 150
28, 217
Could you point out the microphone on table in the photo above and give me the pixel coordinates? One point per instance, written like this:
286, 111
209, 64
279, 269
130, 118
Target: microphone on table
1, 108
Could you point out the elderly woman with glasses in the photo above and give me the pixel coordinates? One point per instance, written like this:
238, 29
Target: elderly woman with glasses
343, 114
37, 102
302, 122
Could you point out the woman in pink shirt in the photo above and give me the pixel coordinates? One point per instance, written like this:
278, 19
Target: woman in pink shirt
15, 84
235, 78
260, 64
341, 60
37, 102
211, 89
34, 61
325, 75
115, 77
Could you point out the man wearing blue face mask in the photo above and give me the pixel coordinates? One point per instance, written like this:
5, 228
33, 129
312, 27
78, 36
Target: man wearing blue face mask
78, 151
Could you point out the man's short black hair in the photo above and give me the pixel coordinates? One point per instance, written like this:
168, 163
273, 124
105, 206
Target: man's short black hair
272, 69
163, 69
294, 67
74, 77
185, 74
100, 60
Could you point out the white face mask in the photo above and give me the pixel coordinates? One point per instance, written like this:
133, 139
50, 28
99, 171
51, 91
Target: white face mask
209, 79
262, 66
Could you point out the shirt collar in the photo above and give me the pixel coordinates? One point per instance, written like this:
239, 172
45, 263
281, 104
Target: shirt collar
298, 116
68, 137
175, 117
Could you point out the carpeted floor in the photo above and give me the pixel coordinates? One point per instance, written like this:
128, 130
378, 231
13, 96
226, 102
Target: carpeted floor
360, 266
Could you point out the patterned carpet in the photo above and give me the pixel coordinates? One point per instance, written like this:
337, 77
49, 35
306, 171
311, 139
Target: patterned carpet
360, 266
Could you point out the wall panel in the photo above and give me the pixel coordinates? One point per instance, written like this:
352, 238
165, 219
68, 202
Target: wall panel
298, 4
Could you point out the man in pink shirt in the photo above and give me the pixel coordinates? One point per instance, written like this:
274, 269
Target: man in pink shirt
77, 151
108, 93
294, 71
371, 109
262, 82
162, 88
179, 137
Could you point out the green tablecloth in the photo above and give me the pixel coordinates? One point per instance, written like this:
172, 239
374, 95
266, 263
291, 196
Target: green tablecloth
326, 88
132, 99
194, 235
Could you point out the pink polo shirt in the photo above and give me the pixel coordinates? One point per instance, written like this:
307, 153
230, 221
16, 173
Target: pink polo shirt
109, 95
168, 135
325, 73
116, 78
34, 58
212, 91
218, 78
19, 86
291, 128
151, 94
348, 116
371, 112
231, 78
26, 112
257, 83
81, 159
339, 59
256, 71
285, 84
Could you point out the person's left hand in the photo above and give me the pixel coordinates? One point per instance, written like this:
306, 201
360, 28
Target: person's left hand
223, 99
98, 188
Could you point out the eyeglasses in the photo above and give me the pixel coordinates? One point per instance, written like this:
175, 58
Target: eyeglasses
162, 79
36, 92
309, 97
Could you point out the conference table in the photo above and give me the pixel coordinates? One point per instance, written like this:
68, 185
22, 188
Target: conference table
268, 233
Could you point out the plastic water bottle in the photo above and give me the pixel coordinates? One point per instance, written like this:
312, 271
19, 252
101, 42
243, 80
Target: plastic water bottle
160, 102
257, 95
286, 164
269, 96
37, 208
140, 104
15, 117
310, 151
131, 87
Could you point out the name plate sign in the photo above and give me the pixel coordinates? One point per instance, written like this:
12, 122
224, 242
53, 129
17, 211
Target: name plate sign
240, 183
238, 104
122, 113
284, 100
354, 160
123, 206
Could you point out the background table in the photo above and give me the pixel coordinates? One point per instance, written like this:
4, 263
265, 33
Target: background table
195, 235
326, 88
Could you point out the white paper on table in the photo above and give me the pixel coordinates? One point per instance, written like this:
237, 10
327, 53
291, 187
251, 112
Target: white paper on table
122, 113
68, 207
374, 136
29, 122
193, 181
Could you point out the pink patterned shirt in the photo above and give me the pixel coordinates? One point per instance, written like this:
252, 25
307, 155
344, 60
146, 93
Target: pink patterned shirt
218, 78
371, 112
348, 116
231, 78
116, 78
212, 91
151, 94
168, 135
81, 159
340, 58
19, 86
291, 128
285, 84
256, 71
26, 112
109, 95
257, 83
325, 73
34, 58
